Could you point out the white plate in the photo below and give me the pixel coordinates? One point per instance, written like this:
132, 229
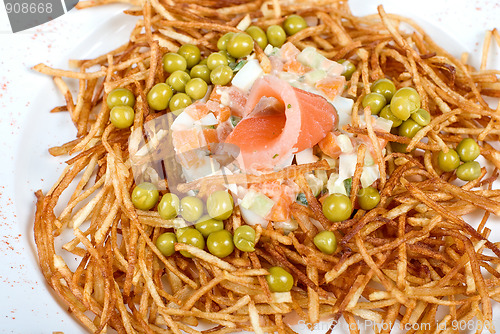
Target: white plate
30, 307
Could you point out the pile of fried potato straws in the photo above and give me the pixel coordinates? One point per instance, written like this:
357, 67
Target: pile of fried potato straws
412, 260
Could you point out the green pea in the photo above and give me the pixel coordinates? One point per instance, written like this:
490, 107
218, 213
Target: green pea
409, 128
405, 102
202, 62
191, 208
469, 171
448, 161
120, 97
191, 53
258, 35
326, 242
169, 206
368, 198
221, 75
159, 96
196, 88
220, 205
468, 150
207, 225
216, 59
222, 42
385, 87
202, 72
122, 117
180, 230
349, 68
220, 243
276, 35
240, 45
178, 102
178, 80
191, 237
293, 24
231, 60
279, 280
244, 238
145, 196
387, 114
421, 116
166, 243
337, 207
174, 62
375, 101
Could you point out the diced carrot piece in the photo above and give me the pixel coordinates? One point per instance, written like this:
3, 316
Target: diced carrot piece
197, 110
295, 67
186, 140
210, 137
281, 210
186, 143
329, 146
224, 114
214, 95
283, 196
331, 86
221, 112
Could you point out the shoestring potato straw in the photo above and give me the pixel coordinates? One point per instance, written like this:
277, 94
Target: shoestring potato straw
413, 259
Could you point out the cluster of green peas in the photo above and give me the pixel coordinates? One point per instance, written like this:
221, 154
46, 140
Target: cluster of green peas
208, 232
120, 102
188, 80
467, 151
275, 35
189, 77
208, 229
338, 207
401, 106
219, 207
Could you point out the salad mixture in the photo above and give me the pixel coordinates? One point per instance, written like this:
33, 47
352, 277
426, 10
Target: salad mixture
291, 113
